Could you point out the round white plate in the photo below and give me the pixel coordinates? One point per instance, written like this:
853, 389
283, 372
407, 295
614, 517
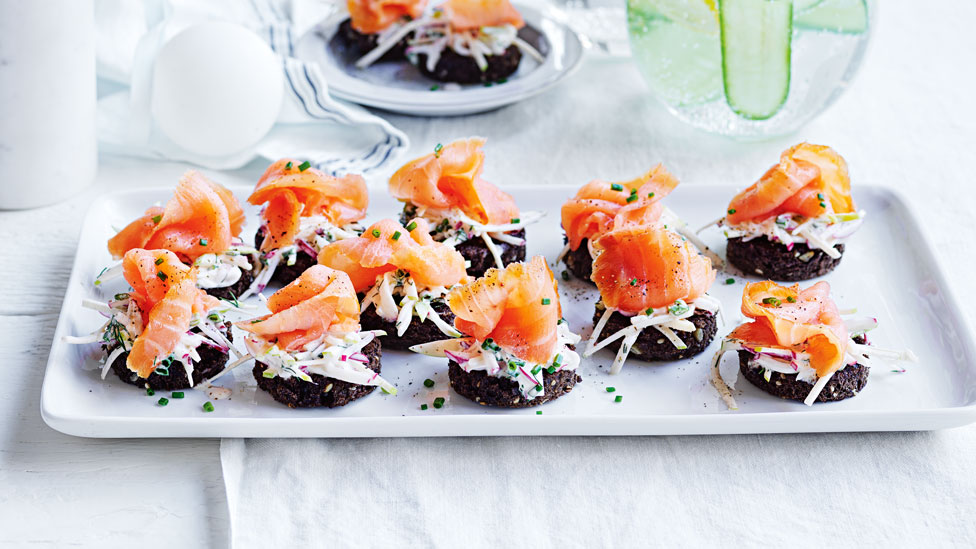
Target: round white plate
399, 87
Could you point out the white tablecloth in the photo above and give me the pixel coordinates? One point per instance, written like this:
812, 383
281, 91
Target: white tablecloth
909, 121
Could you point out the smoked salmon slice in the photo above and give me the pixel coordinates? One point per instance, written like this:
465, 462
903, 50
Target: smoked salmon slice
474, 14
373, 16
293, 190
165, 291
802, 320
600, 206
518, 308
809, 180
637, 268
450, 178
386, 246
201, 218
319, 302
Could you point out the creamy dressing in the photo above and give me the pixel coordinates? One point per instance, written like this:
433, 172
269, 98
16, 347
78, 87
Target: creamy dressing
823, 232
222, 270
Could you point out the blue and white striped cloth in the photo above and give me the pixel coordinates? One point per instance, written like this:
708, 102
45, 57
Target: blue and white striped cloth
334, 136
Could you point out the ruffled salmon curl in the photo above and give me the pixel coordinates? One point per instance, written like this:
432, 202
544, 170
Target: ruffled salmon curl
386, 246
474, 14
450, 177
293, 190
636, 268
372, 16
201, 218
810, 180
320, 301
803, 320
600, 206
518, 308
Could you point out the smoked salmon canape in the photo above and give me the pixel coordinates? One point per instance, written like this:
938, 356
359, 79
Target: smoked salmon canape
792, 224
653, 303
464, 211
515, 348
600, 206
310, 351
402, 277
164, 334
798, 345
201, 224
454, 41
303, 210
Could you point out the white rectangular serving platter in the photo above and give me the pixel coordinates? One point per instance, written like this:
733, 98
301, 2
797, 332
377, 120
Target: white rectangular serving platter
888, 272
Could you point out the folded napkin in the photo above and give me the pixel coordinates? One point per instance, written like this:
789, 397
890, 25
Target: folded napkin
334, 136
842, 490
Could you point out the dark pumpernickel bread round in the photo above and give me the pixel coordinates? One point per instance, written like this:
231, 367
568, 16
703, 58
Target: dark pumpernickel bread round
476, 251
321, 391
361, 44
846, 383
234, 291
773, 260
487, 390
285, 273
454, 67
418, 332
212, 361
579, 262
651, 345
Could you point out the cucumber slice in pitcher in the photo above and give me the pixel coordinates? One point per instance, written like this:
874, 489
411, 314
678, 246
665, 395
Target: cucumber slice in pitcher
846, 16
756, 40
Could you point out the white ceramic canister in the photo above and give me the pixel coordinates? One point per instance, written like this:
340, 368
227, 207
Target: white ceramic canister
48, 144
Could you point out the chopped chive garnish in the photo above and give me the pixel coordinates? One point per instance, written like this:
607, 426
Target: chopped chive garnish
731, 210
538, 412
649, 311
203, 242
433, 88
376, 233
301, 167
791, 299
214, 317
730, 281
163, 401
161, 275
633, 191
565, 275
616, 187
823, 204
438, 402
650, 195
820, 196
546, 301
515, 220
633, 282
428, 383
502, 81
437, 150
611, 389
423, 406
159, 261
396, 235
177, 394
487, 84
157, 218
412, 226
208, 407
288, 165
618, 398
149, 391
551, 370
771, 301
631, 198
538, 387
268, 374
537, 369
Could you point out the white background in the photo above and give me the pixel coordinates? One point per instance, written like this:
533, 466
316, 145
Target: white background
909, 121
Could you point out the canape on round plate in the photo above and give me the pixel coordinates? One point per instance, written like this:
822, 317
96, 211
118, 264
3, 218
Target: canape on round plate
310, 351
599, 207
166, 333
799, 347
201, 224
464, 211
792, 223
372, 22
304, 210
653, 300
390, 263
516, 350
459, 41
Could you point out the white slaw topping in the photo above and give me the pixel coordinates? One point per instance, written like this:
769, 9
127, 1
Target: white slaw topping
414, 302
822, 233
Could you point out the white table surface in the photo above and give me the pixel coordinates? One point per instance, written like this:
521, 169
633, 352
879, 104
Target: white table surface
909, 121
